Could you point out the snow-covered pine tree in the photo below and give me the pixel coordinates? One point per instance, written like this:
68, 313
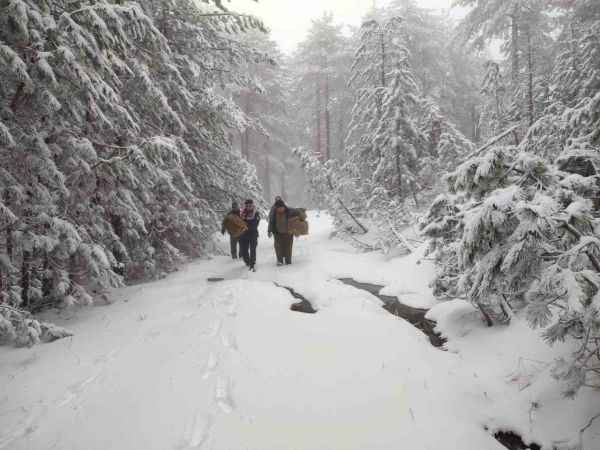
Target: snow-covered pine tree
120, 124
518, 227
320, 99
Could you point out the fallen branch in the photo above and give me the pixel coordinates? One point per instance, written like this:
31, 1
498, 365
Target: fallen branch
16, 310
402, 239
490, 143
362, 244
575, 232
362, 227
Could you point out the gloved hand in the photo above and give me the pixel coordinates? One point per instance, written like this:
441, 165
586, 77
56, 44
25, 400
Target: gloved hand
270, 234
223, 232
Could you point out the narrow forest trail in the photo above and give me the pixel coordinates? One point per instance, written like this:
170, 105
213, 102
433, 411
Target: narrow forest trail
187, 364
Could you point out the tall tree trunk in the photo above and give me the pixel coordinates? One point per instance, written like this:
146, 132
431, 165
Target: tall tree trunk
246, 132
267, 186
26, 279
382, 46
326, 131
514, 47
340, 134
476, 128
530, 69
318, 119
381, 73
283, 185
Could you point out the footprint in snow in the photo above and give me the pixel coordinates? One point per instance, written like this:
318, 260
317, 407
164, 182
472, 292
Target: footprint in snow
229, 341
232, 309
211, 365
199, 434
76, 390
214, 328
27, 425
222, 395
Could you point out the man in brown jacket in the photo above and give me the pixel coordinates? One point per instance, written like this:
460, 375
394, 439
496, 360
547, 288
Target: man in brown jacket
233, 241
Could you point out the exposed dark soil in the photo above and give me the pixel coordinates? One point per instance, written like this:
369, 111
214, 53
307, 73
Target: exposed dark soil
303, 305
416, 316
513, 441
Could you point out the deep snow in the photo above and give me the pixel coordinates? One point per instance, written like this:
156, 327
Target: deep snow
186, 364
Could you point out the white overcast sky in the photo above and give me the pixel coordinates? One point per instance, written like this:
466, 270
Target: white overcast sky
289, 20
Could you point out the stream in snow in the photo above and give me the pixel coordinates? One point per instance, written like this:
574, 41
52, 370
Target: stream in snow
184, 363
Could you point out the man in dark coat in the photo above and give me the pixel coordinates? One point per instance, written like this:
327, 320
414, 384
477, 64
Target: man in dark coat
233, 241
278, 228
249, 239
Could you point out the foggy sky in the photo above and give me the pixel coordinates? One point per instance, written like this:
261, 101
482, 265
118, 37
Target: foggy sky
289, 20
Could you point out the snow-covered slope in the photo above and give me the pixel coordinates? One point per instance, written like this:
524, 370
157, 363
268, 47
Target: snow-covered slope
187, 364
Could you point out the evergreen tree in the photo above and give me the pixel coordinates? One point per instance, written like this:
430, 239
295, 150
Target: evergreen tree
320, 98
113, 141
517, 231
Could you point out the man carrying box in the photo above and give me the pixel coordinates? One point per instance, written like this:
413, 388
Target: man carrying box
235, 226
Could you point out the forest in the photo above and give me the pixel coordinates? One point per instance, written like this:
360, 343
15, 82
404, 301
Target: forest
128, 128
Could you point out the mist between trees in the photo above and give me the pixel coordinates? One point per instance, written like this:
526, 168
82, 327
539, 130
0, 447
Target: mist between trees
126, 129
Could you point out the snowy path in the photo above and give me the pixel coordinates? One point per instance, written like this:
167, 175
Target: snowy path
186, 364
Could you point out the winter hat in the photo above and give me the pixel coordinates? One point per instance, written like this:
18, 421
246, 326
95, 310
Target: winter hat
279, 203
248, 202
234, 205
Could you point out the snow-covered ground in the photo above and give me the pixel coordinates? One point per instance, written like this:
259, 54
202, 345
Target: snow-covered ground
187, 364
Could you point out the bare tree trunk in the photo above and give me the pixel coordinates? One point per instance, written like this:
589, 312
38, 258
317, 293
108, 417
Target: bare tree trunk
382, 45
382, 72
530, 77
26, 279
283, 186
326, 132
267, 169
318, 124
246, 134
475, 117
514, 48
340, 134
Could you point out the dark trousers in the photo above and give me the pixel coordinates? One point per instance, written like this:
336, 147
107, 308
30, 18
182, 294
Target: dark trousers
233, 243
283, 247
248, 249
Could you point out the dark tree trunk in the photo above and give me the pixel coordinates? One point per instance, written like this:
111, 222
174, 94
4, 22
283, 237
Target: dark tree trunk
26, 279
246, 133
530, 68
326, 131
382, 45
476, 128
267, 186
318, 119
514, 48
283, 186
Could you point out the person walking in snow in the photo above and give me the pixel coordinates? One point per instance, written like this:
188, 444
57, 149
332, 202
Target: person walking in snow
249, 239
278, 228
272, 211
233, 241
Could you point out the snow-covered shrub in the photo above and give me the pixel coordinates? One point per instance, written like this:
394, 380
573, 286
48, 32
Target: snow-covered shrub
17, 327
517, 234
